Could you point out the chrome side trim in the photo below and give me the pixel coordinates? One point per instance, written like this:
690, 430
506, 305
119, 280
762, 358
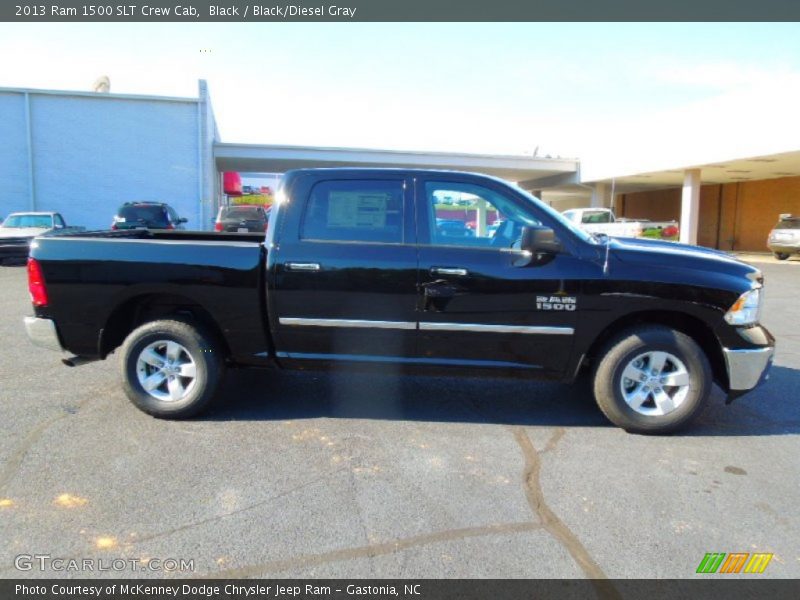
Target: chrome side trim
295, 266
42, 332
482, 328
477, 327
456, 271
747, 368
355, 323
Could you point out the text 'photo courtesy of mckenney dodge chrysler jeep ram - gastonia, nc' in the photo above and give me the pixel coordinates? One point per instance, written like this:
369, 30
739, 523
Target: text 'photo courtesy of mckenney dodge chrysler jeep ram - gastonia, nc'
361, 269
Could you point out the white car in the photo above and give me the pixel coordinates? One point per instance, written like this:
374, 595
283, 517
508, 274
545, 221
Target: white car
20, 228
784, 239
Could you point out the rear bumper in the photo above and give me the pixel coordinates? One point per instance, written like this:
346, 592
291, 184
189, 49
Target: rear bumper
747, 368
15, 249
43, 333
783, 248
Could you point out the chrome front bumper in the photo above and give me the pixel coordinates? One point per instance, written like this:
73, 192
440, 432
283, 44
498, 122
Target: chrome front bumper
747, 368
42, 332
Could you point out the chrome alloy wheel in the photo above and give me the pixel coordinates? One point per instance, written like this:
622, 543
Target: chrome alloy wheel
655, 383
166, 370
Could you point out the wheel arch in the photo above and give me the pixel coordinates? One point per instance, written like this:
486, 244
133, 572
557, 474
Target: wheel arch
147, 307
688, 324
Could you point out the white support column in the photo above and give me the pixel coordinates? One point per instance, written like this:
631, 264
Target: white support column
480, 218
601, 196
690, 206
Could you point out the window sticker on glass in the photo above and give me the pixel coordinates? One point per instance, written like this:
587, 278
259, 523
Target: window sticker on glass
357, 209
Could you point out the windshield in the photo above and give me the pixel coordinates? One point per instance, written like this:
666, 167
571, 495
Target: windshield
39, 221
557, 216
596, 216
142, 214
241, 212
788, 224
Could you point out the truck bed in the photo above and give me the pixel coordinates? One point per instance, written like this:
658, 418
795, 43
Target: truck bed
157, 234
97, 280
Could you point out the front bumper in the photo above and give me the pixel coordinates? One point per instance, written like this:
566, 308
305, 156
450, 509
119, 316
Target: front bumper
747, 368
43, 333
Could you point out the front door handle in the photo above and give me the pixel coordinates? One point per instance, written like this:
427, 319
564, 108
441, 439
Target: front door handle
298, 266
456, 271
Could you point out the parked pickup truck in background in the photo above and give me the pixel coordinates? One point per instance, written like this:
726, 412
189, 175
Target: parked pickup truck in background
356, 273
603, 220
20, 228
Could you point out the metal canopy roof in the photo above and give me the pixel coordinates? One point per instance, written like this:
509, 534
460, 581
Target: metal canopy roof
277, 159
770, 166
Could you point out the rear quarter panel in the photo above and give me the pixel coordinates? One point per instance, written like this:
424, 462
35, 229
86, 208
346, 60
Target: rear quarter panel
89, 278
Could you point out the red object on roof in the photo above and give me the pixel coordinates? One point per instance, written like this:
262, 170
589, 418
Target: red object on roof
232, 183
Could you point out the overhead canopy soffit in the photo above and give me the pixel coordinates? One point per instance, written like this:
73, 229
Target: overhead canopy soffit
276, 159
558, 176
772, 166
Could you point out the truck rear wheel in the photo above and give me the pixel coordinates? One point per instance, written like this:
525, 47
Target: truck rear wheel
652, 379
170, 368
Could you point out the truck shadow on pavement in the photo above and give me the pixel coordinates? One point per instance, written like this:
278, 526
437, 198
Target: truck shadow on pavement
276, 395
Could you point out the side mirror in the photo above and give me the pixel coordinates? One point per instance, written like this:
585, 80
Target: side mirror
541, 243
183, 220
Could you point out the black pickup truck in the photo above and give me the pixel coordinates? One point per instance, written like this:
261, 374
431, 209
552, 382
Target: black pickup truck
359, 271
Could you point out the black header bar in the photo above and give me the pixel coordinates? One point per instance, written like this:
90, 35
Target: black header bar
193, 11
701, 586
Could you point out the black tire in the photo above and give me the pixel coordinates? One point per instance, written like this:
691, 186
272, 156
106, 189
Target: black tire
619, 353
781, 255
196, 346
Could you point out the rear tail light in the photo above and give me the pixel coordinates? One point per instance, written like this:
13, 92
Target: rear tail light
218, 227
36, 283
266, 225
114, 226
170, 226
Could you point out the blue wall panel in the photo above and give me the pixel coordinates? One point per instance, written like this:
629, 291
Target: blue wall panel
14, 189
93, 153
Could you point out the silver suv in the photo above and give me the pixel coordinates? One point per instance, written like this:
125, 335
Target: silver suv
784, 239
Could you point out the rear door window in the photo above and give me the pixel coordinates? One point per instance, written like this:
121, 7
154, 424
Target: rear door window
788, 224
596, 216
242, 213
144, 215
355, 211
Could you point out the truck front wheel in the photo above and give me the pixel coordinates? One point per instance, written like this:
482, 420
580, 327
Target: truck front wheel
652, 379
170, 368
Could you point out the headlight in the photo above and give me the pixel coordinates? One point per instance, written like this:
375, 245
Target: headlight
746, 310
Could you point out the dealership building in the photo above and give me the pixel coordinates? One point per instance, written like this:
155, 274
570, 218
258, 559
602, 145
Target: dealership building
85, 153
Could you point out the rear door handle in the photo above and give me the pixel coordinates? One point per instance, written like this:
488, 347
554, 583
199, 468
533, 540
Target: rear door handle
298, 266
456, 271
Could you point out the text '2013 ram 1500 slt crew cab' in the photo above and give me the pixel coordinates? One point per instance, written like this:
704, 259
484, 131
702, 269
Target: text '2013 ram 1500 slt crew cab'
355, 272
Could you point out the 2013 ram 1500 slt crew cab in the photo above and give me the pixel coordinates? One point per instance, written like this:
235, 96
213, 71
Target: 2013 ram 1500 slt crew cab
355, 272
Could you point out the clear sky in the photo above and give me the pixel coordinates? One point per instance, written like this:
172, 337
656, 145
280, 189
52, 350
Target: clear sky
701, 91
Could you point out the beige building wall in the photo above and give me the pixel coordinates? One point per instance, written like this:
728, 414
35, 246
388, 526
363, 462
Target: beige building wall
733, 216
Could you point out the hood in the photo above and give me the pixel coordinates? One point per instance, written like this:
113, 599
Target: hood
663, 254
14, 232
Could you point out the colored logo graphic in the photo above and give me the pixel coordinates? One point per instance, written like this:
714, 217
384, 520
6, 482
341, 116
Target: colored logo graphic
735, 562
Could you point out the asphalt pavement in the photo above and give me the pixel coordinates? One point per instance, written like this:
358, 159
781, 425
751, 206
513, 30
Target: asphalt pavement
343, 475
